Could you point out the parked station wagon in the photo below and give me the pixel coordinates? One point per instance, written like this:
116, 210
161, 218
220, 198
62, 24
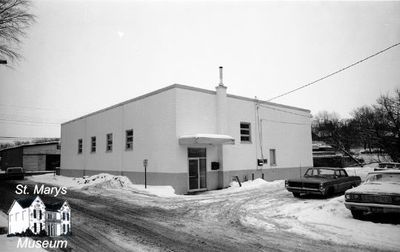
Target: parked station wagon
322, 181
380, 193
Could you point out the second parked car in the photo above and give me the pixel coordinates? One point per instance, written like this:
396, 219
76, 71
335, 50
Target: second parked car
380, 193
322, 181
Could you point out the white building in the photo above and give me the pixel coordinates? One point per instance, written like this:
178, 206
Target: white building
193, 139
33, 213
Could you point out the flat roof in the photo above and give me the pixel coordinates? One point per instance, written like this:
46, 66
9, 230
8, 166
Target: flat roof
30, 145
187, 88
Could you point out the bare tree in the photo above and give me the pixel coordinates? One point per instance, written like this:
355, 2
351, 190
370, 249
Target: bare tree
379, 125
14, 20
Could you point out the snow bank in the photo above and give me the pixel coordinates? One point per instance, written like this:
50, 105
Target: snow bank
327, 220
255, 184
101, 182
249, 185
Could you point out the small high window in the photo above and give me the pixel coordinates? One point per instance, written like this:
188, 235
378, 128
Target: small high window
93, 144
245, 132
109, 142
80, 145
129, 139
272, 157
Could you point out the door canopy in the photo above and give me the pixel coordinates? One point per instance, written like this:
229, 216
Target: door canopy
201, 139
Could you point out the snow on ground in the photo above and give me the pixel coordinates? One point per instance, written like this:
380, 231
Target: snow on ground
321, 219
9, 244
103, 181
260, 205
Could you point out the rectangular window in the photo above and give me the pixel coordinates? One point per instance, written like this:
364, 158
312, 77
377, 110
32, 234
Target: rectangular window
109, 142
63, 228
34, 227
272, 157
67, 216
93, 144
80, 145
34, 214
63, 216
245, 134
40, 215
129, 139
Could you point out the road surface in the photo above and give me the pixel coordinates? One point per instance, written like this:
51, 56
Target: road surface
104, 222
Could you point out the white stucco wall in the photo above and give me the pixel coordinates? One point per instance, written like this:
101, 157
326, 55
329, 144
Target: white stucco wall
153, 122
286, 130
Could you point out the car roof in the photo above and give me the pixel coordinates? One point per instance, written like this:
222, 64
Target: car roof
385, 171
328, 168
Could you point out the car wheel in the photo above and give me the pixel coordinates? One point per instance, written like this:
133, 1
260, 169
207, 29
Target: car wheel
329, 192
296, 194
357, 214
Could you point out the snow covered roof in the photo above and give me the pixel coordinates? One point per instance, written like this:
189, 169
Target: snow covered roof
30, 145
206, 139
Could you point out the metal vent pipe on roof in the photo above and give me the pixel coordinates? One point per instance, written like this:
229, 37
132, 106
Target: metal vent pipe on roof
221, 83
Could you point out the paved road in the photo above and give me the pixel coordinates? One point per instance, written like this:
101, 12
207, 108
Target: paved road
106, 223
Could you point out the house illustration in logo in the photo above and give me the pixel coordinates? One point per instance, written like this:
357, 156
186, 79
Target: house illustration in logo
38, 216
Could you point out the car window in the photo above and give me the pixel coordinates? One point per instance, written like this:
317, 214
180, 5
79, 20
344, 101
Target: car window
326, 172
383, 177
309, 172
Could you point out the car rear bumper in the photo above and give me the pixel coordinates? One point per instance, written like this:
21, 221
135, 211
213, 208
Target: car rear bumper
305, 190
372, 207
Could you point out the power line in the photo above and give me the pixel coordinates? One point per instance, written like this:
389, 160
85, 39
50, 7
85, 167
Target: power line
37, 108
28, 138
281, 110
336, 72
284, 122
27, 122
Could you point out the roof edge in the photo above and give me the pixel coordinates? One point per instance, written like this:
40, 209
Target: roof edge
30, 145
187, 88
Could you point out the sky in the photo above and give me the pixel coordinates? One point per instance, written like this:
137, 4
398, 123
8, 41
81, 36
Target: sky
82, 56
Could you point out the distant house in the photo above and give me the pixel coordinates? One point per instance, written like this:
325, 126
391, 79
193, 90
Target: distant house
33, 213
32, 157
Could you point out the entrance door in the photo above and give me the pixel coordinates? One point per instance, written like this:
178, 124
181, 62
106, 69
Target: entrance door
197, 169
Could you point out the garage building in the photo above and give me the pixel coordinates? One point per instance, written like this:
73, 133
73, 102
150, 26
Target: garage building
193, 139
32, 157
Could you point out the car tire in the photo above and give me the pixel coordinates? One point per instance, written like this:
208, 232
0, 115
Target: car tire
357, 214
329, 192
296, 194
